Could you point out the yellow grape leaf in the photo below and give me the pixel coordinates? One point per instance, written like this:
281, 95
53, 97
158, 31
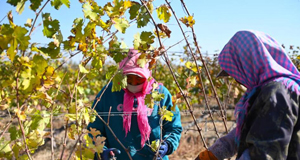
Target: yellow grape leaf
166, 114
88, 141
49, 71
20, 114
192, 66
82, 69
142, 60
94, 132
164, 13
28, 22
127, 4
70, 117
193, 81
188, 21
154, 145
84, 153
121, 24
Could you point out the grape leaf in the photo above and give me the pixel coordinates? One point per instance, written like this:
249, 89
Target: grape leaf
28, 23
136, 41
88, 12
50, 26
155, 145
13, 2
19, 34
147, 38
164, 13
14, 133
121, 24
94, 132
58, 3
35, 4
119, 82
157, 96
166, 114
110, 71
51, 50
134, 10
82, 69
143, 17
142, 60
188, 21
20, 6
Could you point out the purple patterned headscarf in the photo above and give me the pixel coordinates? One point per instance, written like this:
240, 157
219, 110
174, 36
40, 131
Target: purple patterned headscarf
254, 58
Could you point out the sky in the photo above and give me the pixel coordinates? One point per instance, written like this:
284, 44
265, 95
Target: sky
216, 21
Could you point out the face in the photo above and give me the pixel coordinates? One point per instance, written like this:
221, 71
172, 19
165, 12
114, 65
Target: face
135, 80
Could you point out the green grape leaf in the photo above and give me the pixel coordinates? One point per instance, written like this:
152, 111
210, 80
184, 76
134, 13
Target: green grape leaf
11, 52
19, 34
121, 24
39, 64
58, 38
89, 29
14, 133
35, 4
16, 149
35, 139
134, 10
51, 50
149, 101
88, 12
58, 3
5, 149
111, 71
50, 26
119, 82
97, 62
37, 123
143, 18
13, 2
157, 96
147, 38
164, 13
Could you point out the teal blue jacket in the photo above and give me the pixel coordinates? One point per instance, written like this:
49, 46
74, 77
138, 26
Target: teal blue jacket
171, 131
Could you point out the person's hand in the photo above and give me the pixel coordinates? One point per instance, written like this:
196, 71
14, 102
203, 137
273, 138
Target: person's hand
109, 153
163, 149
206, 155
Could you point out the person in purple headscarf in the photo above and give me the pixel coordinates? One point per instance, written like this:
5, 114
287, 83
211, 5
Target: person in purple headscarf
134, 123
267, 116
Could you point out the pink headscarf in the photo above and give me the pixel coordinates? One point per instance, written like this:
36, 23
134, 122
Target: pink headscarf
129, 65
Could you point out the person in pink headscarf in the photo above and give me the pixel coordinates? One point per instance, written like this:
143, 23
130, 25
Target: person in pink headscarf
134, 123
267, 115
